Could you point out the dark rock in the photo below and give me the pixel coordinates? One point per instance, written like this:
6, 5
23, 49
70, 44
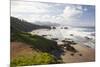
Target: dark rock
87, 37
70, 48
65, 27
44, 35
80, 54
71, 35
54, 38
54, 27
72, 54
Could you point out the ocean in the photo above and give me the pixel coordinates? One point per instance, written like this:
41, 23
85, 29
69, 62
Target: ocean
81, 35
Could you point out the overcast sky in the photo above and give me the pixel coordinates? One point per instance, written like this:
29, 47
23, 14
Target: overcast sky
69, 14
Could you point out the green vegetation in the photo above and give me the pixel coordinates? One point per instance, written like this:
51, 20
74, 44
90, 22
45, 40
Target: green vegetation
19, 29
42, 46
24, 26
36, 41
33, 59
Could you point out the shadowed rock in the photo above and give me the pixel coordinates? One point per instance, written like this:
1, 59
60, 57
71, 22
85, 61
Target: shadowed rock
80, 54
72, 54
54, 38
65, 27
70, 48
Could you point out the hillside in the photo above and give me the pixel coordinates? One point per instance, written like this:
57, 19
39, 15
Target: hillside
21, 42
24, 26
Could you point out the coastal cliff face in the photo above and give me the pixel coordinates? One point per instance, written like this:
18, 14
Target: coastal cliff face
42, 43
24, 44
51, 33
24, 26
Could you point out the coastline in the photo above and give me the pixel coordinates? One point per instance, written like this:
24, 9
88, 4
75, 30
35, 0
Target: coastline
84, 54
61, 34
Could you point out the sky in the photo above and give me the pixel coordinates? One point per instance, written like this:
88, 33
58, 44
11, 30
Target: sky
62, 13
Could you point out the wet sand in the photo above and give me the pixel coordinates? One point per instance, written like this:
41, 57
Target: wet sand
84, 54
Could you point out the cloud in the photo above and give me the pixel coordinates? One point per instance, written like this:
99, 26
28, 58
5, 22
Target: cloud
38, 11
32, 11
35, 7
72, 12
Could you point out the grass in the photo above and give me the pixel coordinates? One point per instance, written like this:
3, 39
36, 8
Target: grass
33, 59
44, 46
37, 42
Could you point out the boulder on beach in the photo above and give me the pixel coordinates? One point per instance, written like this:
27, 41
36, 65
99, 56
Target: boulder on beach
72, 54
70, 48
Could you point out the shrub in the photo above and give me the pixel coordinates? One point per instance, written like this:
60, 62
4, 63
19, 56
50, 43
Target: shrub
36, 41
34, 59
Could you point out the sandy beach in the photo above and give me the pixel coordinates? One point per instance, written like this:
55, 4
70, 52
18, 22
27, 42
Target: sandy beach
65, 38
84, 54
85, 47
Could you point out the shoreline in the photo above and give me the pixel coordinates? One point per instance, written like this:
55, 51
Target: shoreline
62, 34
84, 54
